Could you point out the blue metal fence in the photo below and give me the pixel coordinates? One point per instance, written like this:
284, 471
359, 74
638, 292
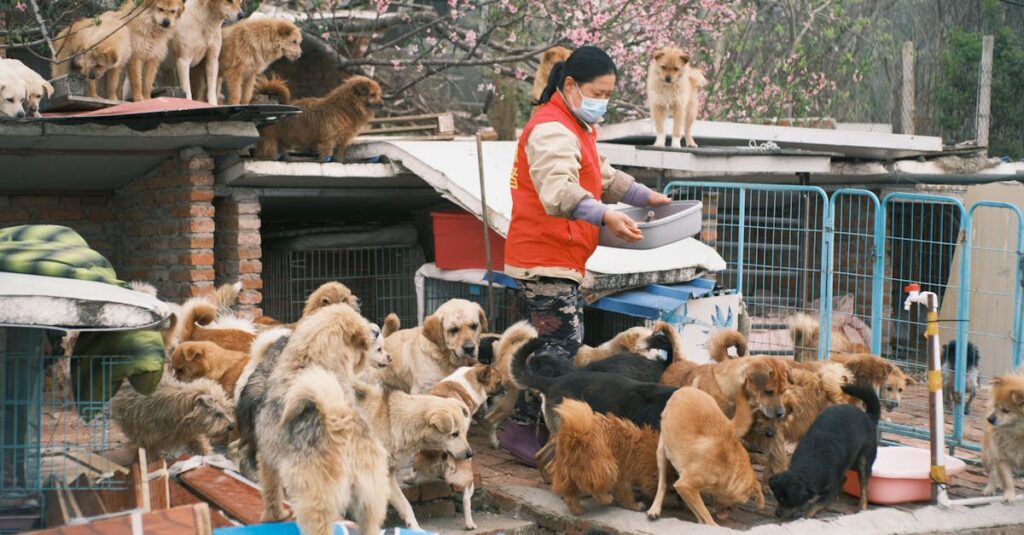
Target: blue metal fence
845, 256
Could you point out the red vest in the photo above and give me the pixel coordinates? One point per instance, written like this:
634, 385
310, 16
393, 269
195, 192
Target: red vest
536, 239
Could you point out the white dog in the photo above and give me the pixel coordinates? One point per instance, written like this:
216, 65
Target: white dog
13, 92
36, 86
197, 37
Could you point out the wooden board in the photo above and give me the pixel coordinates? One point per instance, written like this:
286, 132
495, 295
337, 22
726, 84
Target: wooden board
237, 499
181, 496
159, 489
189, 519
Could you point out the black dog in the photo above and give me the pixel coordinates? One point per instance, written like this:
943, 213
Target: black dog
841, 438
973, 383
485, 351
638, 402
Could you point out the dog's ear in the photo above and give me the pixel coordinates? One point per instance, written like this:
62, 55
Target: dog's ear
443, 422
192, 352
48, 89
285, 30
996, 382
433, 329
908, 380
204, 401
789, 375
363, 89
1018, 398
658, 54
483, 318
360, 338
484, 375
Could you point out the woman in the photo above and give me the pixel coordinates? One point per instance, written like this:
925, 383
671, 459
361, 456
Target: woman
559, 181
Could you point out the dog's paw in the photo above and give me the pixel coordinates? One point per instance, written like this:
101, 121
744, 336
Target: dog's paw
659, 141
653, 515
676, 143
470, 526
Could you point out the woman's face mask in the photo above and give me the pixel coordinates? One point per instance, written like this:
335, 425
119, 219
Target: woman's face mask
591, 109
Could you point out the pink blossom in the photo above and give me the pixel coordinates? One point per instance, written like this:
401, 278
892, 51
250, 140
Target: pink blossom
326, 35
20, 6
397, 64
382, 5
512, 37
431, 41
520, 74
471, 38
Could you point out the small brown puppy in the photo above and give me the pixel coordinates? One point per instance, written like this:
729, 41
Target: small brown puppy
150, 32
874, 371
471, 385
175, 414
192, 360
247, 49
327, 124
704, 448
673, 85
551, 56
1002, 452
601, 456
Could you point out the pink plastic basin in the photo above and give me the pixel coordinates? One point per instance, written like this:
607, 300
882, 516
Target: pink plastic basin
900, 475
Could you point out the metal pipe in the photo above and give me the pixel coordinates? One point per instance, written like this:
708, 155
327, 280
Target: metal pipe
487, 227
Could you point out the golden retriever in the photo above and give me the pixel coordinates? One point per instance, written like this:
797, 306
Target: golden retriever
673, 85
327, 124
704, 448
37, 86
448, 339
13, 93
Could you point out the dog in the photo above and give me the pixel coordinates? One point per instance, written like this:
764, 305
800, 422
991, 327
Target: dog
973, 380
842, 438
247, 49
13, 93
36, 86
97, 47
250, 394
703, 446
599, 455
407, 423
150, 32
196, 324
1001, 451
328, 293
197, 37
503, 350
471, 385
192, 360
673, 85
551, 56
635, 365
327, 124
629, 341
804, 330
878, 373
323, 455
764, 379
176, 414
448, 339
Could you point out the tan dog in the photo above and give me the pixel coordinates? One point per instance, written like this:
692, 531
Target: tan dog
199, 313
328, 293
704, 448
511, 340
407, 423
448, 340
763, 380
602, 456
805, 331
471, 385
197, 37
673, 85
629, 341
97, 51
551, 56
150, 32
247, 49
175, 414
192, 360
883, 376
36, 85
13, 93
1002, 450
327, 124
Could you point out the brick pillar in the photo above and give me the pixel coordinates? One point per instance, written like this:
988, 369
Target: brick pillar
237, 250
167, 226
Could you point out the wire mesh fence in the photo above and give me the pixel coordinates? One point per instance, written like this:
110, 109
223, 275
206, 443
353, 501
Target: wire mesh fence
382, 276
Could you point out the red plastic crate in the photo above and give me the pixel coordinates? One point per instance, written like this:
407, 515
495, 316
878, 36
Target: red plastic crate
459, 242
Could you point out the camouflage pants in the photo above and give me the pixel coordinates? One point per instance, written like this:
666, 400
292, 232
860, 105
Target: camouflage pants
556, 312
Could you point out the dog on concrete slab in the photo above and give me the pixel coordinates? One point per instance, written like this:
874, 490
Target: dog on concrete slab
673, 85
842, 438
197, 37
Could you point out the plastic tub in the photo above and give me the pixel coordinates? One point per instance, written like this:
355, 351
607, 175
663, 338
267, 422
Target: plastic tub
900, 475
672, 223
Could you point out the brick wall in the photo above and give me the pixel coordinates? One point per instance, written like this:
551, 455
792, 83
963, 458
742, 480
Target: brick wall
237, 247
91, 215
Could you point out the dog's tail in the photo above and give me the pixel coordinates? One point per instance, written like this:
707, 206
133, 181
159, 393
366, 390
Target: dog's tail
666, 338
274, 86
869, 397
581, 453
314, 388
743, 419
521, 373
391, 325
804, 331
144, 287
194, 311
720, 342
226, 295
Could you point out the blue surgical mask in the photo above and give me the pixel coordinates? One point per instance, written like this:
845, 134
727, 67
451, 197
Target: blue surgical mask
591, 109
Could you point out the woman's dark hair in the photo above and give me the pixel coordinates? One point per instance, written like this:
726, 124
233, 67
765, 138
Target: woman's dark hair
584, 64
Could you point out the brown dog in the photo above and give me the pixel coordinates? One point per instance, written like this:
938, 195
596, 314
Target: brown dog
602, 456
149, 31
874, 371
673, 85
511, 340
247, 49
551, 56
98, 51
1004, 433
704, 448
763, 379
327, 124
192, 360
629, 341
195, 315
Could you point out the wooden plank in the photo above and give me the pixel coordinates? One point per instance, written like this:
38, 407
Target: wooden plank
237, 499
56, 512
181, 496
87, 498
400, 118
984, 91
140, 485
159, 488
117, 494
189, 519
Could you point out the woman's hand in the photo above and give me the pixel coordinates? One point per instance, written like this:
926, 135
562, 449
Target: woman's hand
656, 199
622, 226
